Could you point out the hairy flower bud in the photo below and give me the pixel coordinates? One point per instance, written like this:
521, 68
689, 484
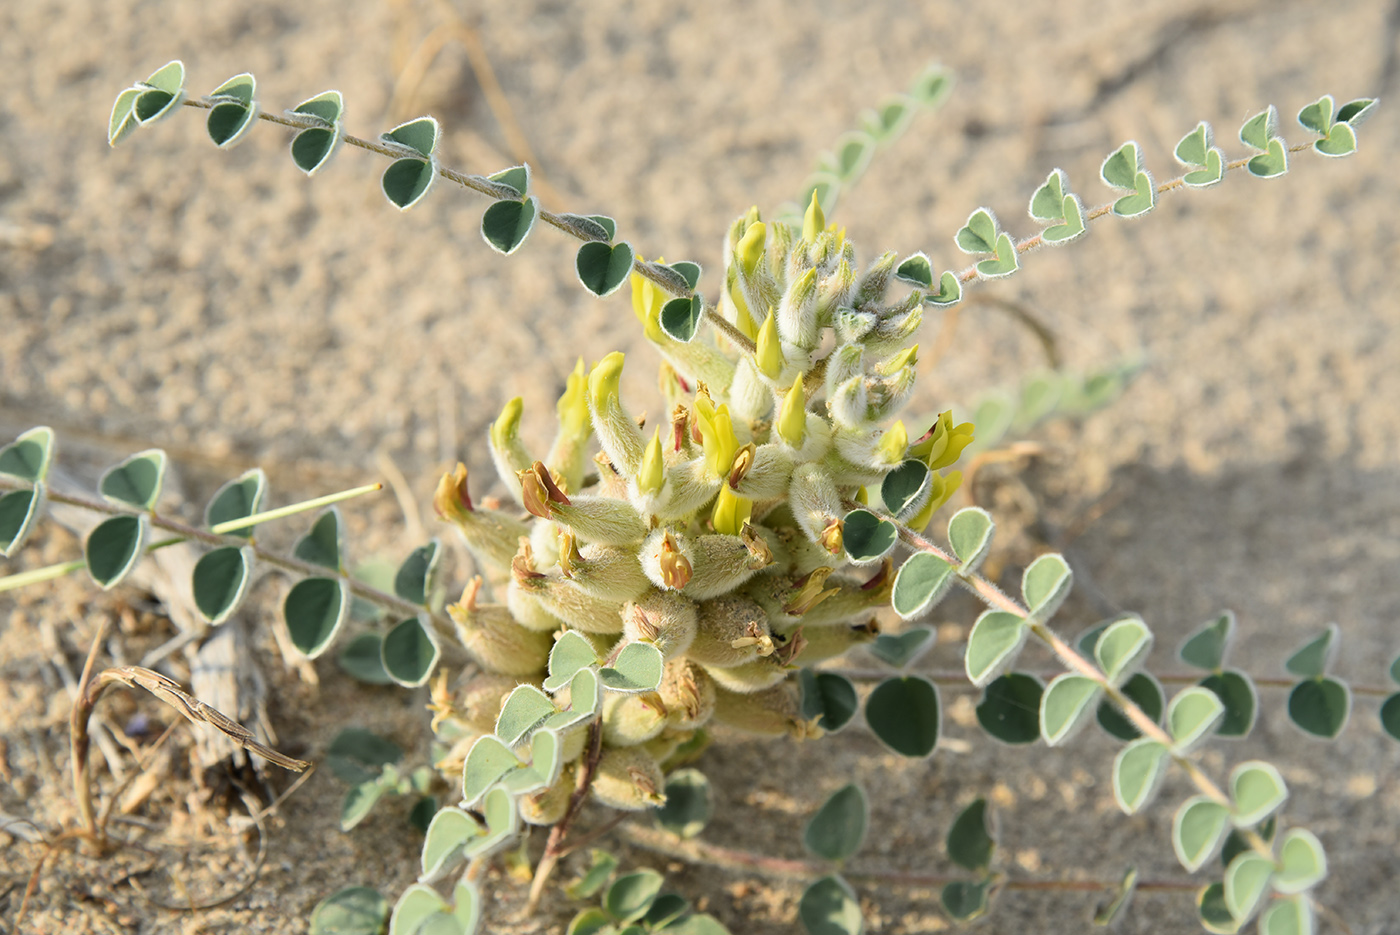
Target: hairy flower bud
568, 456
814, 500
826, 642
490, 633
876, 280
607, 571
797, 313
731, 630
616, 430
507, 451
601, 519
561, 598
631, 719
722, 563
548, 807
688, 693
772, 712
813, 221
731, 511
491, 536
763, 672
628, 778
664, 618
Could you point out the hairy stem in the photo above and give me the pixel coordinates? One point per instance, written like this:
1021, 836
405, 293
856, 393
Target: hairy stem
555, 848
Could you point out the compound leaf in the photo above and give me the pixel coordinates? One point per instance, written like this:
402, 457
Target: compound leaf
837, 830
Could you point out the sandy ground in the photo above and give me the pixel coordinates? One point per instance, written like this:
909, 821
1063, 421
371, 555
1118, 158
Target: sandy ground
225, 308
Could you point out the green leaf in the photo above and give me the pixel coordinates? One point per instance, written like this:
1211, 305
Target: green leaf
899, 650
1302, 862
123, 119
932, 85
1205, 648
1192, 149
357, 756
360, 801
237, 499
360, 659
631, 895
1197, 830
1317, 116
502, 823
1390, 716
524, 710
1122, 647
1046, 584
1214, 916
544, 767
1005, 262
418, 904
1146, 693
854, 150
314, 610
592, 881
1236, 843
1142, 200
1236, 692
1010, 708
516, 178
993, 644
414, 580
1072, 229
355, 910
420, 136
27, 458
324, 544
680, 317
585, 695
970, 536
328, 106
1395, 670
1313, 658
837, 830
904, 714
409, 653
688, 806
1067, 700
867, 538
916, 270
229, 122
487, 763
407, 181
1356, 112
700, 923
447, 836
591, 921
904, 491
1192, 715
979, 234
570, 652
603, 268
152, 106
113, 548
1122, 167
19, 509
1122, 896
313, 148
1246, 882
665, 909
220, 580
1211, 173
1287, 917
1320, 706
1258, 791
1137, 772
687, 270
136, 481
1260, 129
969, 841
949, 291
966, 900
828, 696
829, 907
1340, 141
169, 78
1270, 164
506, 224
637, 669
921, 583
1047, 204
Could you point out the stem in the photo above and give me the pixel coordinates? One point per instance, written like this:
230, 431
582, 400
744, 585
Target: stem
555, 849
78, 739
232, 525
36, 575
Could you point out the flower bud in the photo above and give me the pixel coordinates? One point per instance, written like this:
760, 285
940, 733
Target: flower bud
769, 353
616, 430
490, 633
875, 281
689, 486
630, 719
850, 403
763, 672
548, 807
653, 472
792, 420
730, 631
507, 451
688, 693
723, 563
827, 642
607, 571
600, 519
797, 313
836, 290
813, 221
629, 779
893, 444
750, 396
749, 250
561, 598
731, 511
772, 712
491, 536
568, 456
814, 500
666, 559
716, 433
663, 618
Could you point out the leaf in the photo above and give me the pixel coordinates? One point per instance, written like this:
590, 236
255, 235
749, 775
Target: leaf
414, 580
488, 761
993, 644
1010, 708
328, 106
1137, 772
916, 270
419, 135
357, 756
688, 807
631, 895
409, 653
1258, 130
506, 224
970, 536
1357, 112
687, 270
921, 583
829, 907
152, 106
135, 482
314, 610
1072, 229
1303, 862
237, 499
837, 830
591, 921
637, 668
1390, 716
867, 538
1122, 167
1205, 648
406, 181
447, 836
113, 548
1287, 917
1340, 141
1214, 916
680, 317
854, 150
1122, 897
979, 234
570, 653
324, 543
969, 841
1142, 200
1320, 706
1067, 700
899, 650
1144, 691
169, 78
355, 910
966, 900
904, 490
123, 119
1236, 691
313, 148
19, 509
1246, 882
1314, 657
502, 823
229, 122
1192, 149
1192, 715
27, 458
360, 659
603, 268
524, 710
220, 580
1197, 830
1122, 648
904, 714
1317, 116
585, 695
665, 909
516, 178
418, 904
830, 697
931, 86
1046, 584
544, 767
360, 801
1004, 264
1047, 204
1236, 843
592, 881
1270, 164
1258, 790
949, 291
